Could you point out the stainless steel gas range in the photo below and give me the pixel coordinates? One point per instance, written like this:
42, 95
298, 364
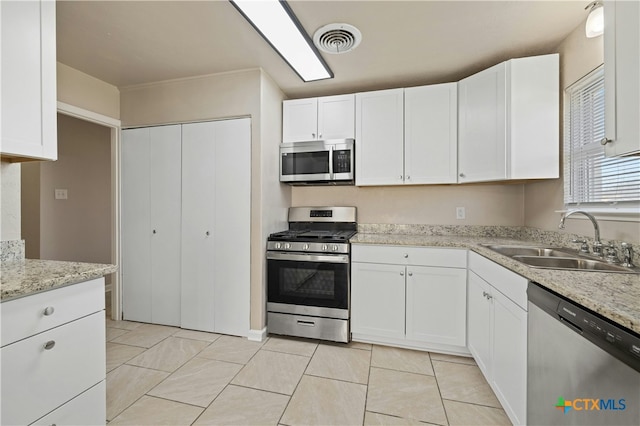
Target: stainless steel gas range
308, 274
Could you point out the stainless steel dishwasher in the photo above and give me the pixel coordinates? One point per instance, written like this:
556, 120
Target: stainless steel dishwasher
581, 369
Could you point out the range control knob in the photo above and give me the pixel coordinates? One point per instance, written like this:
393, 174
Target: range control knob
287, 246
278, 246
324, 247
334, 248
305, 247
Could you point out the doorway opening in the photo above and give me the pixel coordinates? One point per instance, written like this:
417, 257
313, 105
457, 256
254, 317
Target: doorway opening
70, 207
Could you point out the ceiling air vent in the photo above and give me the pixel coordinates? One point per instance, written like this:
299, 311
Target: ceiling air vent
337, 38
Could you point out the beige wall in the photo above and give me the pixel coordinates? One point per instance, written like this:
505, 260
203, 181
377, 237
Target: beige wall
275, 197
9, 201
578, 56
31, 209
75, 88
84, 91
423, 204
79, 228
237, 94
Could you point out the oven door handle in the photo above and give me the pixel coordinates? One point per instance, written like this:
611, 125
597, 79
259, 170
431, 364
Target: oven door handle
326, 258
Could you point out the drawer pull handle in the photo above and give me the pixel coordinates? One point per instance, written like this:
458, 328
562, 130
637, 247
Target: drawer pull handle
49, 310
49, 345
307, 323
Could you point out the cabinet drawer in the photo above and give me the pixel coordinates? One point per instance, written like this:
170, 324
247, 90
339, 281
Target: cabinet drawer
88, 408
509, 283
26, 316
409, 255
36, 380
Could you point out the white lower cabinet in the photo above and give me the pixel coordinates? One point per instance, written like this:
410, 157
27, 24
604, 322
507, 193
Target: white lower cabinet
88, 408
409, 296
47, 370
497, 331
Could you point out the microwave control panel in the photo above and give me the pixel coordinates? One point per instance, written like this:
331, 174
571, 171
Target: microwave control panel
342, 161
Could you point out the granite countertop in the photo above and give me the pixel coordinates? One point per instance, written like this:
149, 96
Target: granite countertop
21, 278
615, 296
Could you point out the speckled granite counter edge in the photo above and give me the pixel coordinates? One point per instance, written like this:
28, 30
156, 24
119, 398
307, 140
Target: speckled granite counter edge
11, 251
23, 278
614, 296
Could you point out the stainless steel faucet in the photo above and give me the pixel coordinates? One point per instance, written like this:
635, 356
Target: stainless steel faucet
597, 245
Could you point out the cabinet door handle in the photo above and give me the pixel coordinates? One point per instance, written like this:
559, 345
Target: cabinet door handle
402, 274
401, 177
207, 233
155, 232
461, 175
49, 310
313, 135
49, 345
605, 141
406, 255
320, 136
410, 274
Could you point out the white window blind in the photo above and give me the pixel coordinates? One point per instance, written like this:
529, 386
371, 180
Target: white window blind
590, 177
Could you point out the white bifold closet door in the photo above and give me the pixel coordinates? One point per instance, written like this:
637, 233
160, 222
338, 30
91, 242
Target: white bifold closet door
151, 222
216, 222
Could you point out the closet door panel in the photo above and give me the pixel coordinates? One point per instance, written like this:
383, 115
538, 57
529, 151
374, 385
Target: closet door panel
232, 231
199, 262
136, 228
165, 192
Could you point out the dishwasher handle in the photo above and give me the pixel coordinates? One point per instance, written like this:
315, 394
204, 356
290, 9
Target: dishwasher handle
571, 325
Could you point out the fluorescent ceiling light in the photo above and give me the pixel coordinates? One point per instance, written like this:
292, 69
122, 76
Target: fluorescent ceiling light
275, 21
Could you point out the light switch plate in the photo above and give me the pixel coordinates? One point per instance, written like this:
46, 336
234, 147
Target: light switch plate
60, 194
460, 213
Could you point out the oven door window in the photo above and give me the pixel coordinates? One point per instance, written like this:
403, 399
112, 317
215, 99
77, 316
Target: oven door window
309, 283
305, 163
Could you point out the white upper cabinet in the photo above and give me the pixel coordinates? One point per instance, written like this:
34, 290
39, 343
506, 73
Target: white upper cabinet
622, 77
431, 134
329, 117
509, 121
407, 136
380, 137
29, 127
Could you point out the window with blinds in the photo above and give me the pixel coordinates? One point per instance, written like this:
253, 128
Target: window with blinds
590, 177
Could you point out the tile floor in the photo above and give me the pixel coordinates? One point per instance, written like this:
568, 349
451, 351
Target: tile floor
165, 375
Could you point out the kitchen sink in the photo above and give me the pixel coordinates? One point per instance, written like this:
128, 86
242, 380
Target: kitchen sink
530, 251
579, 264
557, 258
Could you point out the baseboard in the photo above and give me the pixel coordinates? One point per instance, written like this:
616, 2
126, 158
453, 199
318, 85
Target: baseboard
257, 335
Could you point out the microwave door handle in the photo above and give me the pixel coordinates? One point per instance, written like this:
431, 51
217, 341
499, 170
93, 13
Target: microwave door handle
331, 162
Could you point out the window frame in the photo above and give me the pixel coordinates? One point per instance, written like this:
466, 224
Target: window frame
617, 210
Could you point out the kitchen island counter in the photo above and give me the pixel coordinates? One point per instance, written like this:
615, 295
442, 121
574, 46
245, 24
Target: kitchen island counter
615, 296
21, 278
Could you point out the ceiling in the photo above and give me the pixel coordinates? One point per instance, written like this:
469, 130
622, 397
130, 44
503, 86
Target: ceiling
405, 43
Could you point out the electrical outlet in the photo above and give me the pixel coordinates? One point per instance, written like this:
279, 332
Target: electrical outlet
60, 194
460, 213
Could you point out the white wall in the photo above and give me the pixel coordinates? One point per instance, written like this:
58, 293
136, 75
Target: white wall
79, 228
578, 56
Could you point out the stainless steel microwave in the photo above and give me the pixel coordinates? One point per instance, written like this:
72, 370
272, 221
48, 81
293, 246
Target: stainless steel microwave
328, 162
